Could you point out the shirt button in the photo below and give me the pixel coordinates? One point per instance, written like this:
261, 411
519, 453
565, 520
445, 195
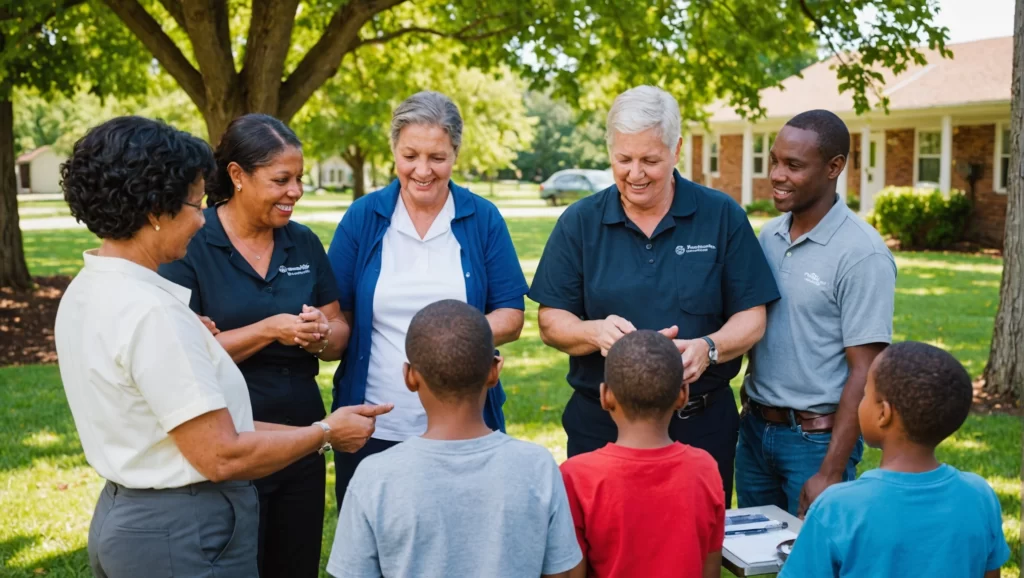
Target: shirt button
467, 275
269, 290
649, 246
651, 261
789, 253
284, 371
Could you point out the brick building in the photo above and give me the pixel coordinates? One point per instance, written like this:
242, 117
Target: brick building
947, 119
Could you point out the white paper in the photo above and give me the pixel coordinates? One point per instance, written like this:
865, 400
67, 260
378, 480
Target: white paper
758, 548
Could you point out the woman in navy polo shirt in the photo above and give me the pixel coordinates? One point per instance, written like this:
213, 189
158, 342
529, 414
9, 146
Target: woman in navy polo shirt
266, 287
419, 240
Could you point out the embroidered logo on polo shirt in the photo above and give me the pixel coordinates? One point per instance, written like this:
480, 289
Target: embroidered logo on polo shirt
293, 271
680, 249
814, 279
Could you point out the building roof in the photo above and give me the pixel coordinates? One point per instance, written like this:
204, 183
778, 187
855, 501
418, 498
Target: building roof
980, 72
31, 155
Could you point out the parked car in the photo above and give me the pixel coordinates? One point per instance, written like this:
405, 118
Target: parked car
574, 182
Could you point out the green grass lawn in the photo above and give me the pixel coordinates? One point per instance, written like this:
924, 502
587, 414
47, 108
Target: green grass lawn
509, 195
47, 490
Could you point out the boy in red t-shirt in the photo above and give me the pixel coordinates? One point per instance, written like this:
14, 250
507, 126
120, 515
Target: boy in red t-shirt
645, 505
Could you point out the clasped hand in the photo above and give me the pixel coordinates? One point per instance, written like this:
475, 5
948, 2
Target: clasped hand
694, 352
308, 329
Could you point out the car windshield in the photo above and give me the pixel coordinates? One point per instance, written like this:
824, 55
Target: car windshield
602, 180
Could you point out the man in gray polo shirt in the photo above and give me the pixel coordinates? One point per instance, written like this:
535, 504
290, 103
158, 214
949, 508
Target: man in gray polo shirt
799, 432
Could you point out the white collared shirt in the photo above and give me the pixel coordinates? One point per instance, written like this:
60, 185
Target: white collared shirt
136, 363
414, 273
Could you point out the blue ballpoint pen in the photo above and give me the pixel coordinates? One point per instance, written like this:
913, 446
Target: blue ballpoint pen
752, 532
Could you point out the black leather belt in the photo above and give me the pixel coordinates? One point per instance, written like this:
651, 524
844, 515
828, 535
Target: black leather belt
696, 405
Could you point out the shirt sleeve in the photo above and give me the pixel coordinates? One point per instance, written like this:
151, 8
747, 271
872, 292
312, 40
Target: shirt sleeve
747, 280
342, 257
354, 553
558, 282
183, 273
506, 284
814, 553
169, 362
866, 295
576, 509
1000, 552
562, 552
326, 290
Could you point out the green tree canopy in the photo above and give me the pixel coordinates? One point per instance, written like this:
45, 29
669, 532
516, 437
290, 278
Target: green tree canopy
351, 115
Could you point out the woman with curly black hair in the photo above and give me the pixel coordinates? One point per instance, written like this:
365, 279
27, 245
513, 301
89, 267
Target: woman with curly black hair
162, 411
269, 291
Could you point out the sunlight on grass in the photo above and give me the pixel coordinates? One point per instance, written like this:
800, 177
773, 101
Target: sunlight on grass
42, 439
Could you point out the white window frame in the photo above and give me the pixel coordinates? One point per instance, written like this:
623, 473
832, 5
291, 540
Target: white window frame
716, 142
766, 139
997, 160
917, 156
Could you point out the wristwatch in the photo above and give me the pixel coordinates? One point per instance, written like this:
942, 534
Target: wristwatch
327, 433
712, 351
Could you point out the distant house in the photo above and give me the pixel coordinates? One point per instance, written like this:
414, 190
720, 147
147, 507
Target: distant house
335, 172
39, 171
948, 120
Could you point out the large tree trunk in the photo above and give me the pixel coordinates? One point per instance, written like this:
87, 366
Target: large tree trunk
356, 160
13, 270
1005, 370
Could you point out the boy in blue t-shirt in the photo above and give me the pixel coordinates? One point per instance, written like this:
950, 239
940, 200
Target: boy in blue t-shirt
912, 516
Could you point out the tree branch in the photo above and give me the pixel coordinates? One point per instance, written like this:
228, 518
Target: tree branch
206, 22
824, 30
461, 35
270, 33
148, 31
322, 60
173, 7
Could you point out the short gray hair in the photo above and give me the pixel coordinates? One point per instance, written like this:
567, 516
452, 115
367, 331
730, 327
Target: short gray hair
644, 108
428, 108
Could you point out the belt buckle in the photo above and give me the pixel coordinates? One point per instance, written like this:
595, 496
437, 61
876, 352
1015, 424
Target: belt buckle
693, 407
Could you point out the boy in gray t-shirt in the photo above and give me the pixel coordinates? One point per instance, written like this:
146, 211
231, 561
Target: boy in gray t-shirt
461, 500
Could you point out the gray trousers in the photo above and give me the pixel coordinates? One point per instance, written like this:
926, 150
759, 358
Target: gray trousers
202, 530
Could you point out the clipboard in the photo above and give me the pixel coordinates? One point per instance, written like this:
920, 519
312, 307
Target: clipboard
761, 549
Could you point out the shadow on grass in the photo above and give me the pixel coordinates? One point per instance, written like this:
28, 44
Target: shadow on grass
73, 564
36, 422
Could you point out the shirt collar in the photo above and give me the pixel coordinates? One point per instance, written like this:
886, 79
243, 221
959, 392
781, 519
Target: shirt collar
386, 199
402, 223
826, 228
939, 474
95, 262
684, 202
215, 234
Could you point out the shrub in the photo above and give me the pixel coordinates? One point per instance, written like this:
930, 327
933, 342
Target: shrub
853, 203
762, 207
920, 218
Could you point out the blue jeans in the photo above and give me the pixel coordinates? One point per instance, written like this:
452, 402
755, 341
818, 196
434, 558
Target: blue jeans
773, 461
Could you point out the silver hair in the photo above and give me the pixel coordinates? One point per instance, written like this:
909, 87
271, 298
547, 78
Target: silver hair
428, 108
644, 108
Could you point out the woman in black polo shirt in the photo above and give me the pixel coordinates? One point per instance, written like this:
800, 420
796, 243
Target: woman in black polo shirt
269, 294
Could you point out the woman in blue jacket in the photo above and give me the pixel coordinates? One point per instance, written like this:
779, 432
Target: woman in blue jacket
419, 240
